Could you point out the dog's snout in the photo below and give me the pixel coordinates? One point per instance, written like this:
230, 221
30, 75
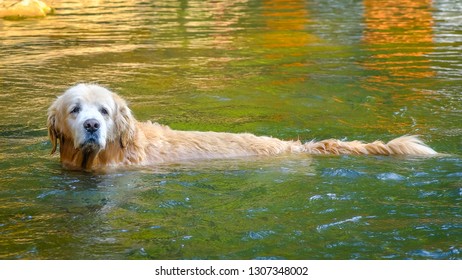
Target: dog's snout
91, 125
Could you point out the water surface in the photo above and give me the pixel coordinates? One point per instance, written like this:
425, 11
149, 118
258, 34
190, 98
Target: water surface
361, 70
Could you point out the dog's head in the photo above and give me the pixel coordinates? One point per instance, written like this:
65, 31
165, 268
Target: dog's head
90, 116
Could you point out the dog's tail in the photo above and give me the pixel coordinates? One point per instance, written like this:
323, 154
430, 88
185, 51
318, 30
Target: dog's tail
405, 145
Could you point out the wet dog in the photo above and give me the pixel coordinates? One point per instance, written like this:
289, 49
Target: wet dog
96, 130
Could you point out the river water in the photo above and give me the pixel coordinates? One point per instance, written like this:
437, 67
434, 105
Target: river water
292, 69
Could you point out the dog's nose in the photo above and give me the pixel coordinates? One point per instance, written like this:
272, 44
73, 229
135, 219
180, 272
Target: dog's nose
91, 125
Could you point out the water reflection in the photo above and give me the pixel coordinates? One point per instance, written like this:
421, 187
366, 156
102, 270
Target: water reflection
286, 23
217, 21
400, 37
286, 39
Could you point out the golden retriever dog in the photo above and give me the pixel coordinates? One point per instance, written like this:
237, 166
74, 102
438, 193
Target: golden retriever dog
96, 130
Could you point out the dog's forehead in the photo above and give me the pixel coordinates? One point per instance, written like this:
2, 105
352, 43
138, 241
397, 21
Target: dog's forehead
90, 95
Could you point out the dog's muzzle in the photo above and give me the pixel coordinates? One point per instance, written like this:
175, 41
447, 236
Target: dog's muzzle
92, 134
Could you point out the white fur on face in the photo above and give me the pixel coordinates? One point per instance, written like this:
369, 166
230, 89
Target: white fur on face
86, 102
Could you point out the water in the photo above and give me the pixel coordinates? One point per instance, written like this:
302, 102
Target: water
362, 70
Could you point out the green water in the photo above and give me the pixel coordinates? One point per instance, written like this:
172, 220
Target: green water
361, 70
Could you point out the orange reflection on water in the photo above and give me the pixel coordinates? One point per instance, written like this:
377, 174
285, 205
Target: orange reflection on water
399, 33
286, 33
404, 21
286, 21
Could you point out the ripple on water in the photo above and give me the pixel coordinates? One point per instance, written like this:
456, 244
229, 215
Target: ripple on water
439, 254
253, 212
423, 183
456, 175
257, 235
329, 196
390, 176
339, 223
52, 193
173, 204
342, 172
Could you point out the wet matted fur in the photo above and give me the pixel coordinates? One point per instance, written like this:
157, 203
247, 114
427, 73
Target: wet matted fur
96, 130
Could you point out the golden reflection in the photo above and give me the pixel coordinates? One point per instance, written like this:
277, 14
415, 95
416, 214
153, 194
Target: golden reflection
286, 21
404, 21
25, 8
400, 35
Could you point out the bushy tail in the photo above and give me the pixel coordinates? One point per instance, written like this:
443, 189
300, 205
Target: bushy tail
405, 145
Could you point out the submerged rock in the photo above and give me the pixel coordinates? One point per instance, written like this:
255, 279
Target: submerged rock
25, 8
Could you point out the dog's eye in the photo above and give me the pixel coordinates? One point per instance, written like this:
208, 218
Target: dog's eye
75, 110
104, 111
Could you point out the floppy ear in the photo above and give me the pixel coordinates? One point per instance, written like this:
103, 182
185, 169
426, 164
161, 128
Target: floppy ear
124, 122
51, 123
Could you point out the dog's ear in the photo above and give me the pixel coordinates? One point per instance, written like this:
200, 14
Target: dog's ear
124, 122
51, 123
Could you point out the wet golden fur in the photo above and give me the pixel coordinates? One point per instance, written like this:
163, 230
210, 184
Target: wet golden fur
96, 130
